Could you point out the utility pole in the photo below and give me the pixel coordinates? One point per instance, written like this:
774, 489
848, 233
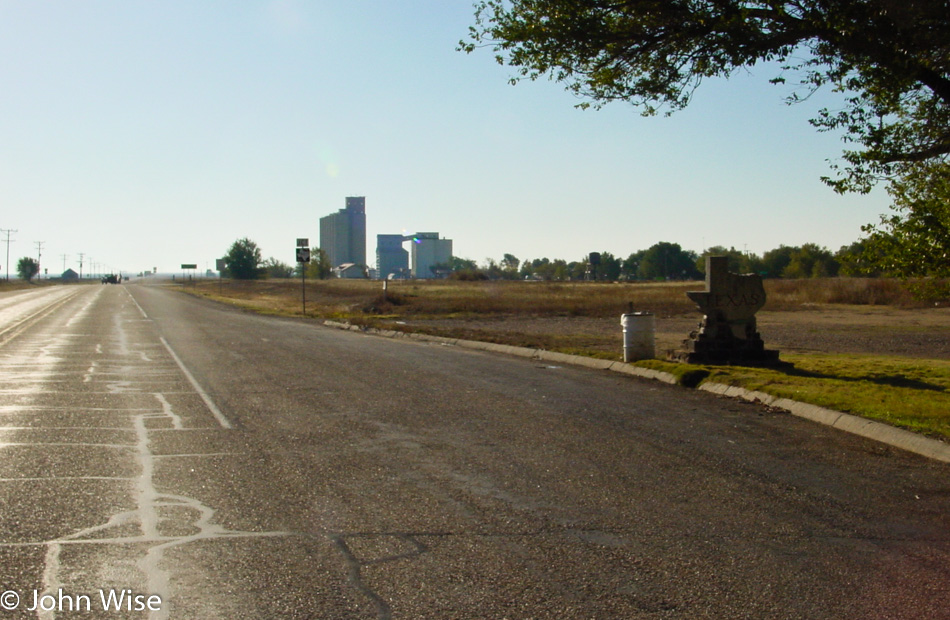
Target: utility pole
80, 265
8, 231
39, 257
64, 257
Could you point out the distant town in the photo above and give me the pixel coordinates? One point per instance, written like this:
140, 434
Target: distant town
343, 239
343, 242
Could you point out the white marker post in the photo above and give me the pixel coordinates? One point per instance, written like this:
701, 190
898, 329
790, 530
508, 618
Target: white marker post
220, 264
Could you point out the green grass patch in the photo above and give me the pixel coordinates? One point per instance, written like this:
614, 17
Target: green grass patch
907, 393
687, 375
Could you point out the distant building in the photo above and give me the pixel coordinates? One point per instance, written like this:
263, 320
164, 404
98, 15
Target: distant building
343, 234
427, 252
69, 274
391, 258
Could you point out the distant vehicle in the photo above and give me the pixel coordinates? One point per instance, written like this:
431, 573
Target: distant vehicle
112, 279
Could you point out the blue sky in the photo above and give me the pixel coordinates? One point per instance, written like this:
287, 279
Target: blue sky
150, 134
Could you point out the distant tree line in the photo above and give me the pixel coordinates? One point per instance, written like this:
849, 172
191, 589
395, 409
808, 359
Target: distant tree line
663, 261
668, 261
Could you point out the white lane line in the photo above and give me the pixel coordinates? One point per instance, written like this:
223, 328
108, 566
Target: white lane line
132, 297
223, 421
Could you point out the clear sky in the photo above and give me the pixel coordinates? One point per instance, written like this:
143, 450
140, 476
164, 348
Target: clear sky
153, 133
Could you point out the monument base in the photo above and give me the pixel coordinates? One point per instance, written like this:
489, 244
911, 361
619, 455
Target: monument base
766, 357
728, 334
716, 343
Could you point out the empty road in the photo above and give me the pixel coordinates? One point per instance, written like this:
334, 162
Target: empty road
176, 458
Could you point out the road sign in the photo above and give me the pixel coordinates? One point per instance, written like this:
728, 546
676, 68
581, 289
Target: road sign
303, 256
220, 264
188, 266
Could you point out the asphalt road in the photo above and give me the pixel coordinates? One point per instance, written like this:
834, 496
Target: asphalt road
209, 463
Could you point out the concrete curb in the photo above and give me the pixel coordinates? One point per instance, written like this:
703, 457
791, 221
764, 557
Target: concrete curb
878, 431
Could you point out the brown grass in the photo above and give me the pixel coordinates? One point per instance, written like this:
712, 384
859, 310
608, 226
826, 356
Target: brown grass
364, 300
18, 284
832, 315
789, 294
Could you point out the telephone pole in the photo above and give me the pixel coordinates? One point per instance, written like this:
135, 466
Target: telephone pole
80, 265
8, 232
39, 259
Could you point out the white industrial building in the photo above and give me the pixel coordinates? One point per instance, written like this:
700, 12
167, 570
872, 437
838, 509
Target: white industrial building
427, 252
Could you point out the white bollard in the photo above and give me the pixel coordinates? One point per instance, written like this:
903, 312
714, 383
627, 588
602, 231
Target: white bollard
639, 336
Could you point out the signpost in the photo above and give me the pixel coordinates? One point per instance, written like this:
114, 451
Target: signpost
303, 258
185, 266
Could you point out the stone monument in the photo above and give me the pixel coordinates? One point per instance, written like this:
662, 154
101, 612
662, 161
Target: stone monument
727, 334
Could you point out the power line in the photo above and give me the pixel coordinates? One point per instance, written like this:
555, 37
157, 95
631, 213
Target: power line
8, 232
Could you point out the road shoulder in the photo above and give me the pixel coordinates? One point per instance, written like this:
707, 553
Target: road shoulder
870, 429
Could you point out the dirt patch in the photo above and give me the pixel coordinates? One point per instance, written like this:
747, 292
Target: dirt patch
923, 333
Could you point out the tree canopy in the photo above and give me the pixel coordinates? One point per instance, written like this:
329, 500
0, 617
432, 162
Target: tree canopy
891, 59
914, 241
319, 267
665, 261
275, 268
27, 268
243, 260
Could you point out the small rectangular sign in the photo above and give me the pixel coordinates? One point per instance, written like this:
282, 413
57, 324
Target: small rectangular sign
220, 264
303, 243
188, 266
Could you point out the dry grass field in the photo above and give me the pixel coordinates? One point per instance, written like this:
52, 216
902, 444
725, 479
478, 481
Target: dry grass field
850, 315
858, 345
17, 284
